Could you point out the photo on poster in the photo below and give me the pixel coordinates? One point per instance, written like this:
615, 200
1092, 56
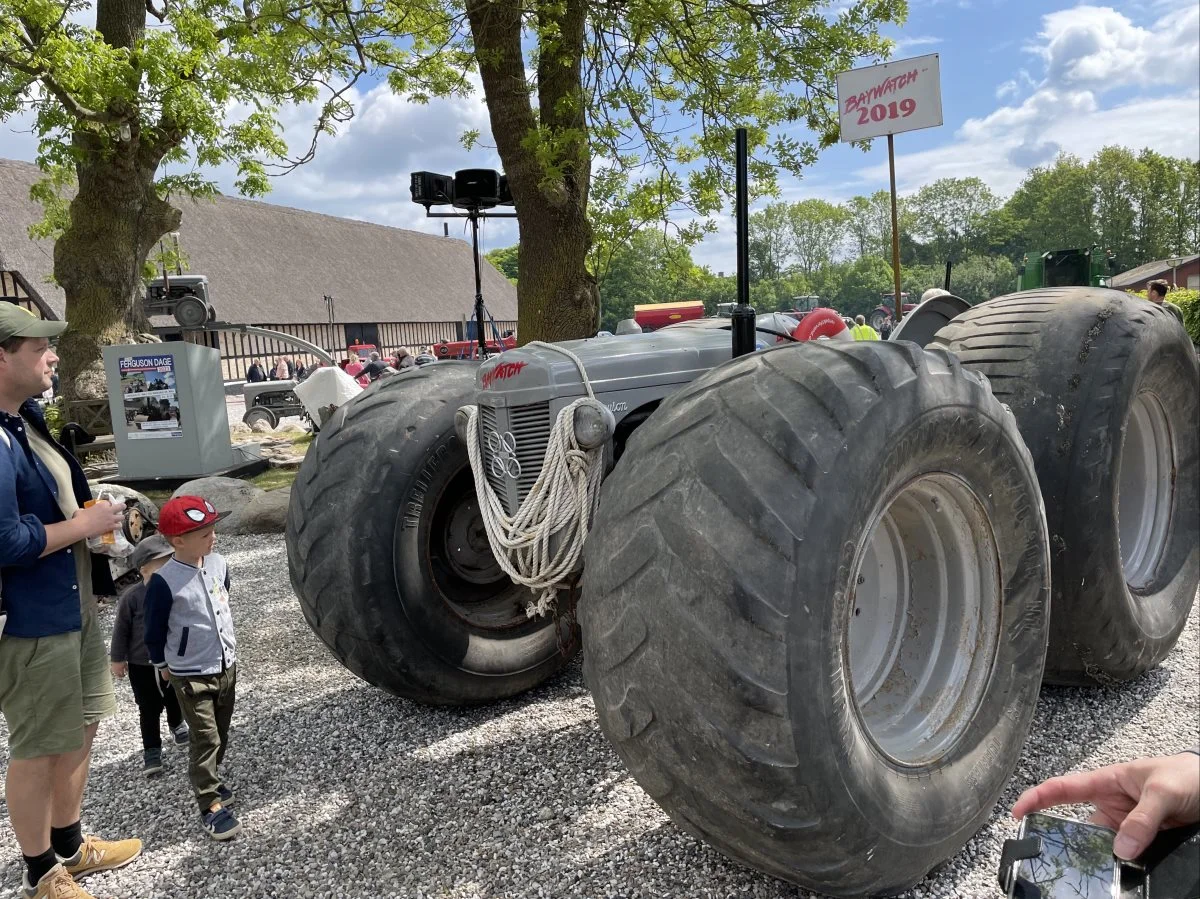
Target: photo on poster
149, 394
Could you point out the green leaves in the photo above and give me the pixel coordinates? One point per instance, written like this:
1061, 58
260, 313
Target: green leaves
205, 86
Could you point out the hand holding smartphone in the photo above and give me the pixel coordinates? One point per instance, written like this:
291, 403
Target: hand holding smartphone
1076, 861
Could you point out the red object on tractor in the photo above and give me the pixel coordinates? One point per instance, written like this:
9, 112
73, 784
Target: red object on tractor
469, 349
652, 316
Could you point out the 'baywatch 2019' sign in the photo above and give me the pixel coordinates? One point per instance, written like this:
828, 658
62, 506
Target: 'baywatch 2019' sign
905, 95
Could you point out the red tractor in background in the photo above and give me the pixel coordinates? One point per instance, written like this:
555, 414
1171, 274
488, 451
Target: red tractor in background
887, 309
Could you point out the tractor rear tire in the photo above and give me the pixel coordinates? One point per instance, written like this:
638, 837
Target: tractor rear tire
392, 569
815, 610
1104, 387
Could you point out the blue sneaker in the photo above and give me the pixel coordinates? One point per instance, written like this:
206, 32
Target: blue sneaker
221, 824
181, 734
226, 795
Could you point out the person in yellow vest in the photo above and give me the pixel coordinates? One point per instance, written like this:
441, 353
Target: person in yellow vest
863, 331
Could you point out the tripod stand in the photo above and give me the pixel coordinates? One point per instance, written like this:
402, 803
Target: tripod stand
474, 214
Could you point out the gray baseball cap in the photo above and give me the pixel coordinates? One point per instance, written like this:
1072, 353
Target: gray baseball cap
17, 321
153, 547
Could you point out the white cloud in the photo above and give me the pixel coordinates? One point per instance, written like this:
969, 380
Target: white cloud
1098, 48
905, 44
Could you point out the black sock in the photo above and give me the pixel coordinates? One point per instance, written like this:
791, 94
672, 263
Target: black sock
66, 840
40, 865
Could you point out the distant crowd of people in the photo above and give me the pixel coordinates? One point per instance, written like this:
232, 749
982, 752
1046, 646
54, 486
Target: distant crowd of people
286, 368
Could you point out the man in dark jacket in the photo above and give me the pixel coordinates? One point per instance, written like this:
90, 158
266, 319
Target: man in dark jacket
55, 685
373, 369
255, 372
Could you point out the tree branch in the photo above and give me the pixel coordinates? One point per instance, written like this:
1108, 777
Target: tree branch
160, 15
73, 106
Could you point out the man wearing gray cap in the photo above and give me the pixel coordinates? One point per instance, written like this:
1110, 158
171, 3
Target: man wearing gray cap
130, 657
55, 685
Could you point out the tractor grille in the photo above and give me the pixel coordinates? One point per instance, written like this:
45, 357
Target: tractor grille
529, 427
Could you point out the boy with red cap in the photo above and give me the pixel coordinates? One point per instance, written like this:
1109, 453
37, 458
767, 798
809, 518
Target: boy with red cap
189, 638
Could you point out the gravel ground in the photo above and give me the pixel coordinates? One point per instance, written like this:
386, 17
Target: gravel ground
347, 792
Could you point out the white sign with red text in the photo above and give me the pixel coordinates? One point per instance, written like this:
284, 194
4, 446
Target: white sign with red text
905, 95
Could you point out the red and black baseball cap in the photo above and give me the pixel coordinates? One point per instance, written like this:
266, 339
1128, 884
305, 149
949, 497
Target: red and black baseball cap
185, 514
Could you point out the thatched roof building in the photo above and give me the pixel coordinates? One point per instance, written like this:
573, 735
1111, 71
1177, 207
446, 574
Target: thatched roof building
272, 266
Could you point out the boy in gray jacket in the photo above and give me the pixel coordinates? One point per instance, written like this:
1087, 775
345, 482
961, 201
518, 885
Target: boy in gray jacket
128, 656
189, 637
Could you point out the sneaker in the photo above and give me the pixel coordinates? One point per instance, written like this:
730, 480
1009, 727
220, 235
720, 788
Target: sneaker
57, 884
221, 824
181, 734
152, 762
226, 795
101, 855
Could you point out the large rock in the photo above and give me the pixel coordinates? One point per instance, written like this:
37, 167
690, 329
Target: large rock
264, 514
226, 494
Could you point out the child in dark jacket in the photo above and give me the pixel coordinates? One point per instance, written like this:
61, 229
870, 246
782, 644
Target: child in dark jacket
128, 655
189, 637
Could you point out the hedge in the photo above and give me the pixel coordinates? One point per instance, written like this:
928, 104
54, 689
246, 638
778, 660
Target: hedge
1189, 302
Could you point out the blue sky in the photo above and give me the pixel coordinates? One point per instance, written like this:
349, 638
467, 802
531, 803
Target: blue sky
1021, 81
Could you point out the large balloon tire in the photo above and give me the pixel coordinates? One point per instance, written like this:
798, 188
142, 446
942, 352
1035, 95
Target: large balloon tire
387, 476
722, 606
1104, 387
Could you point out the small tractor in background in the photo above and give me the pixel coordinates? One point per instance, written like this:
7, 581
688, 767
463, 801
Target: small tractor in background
812, 582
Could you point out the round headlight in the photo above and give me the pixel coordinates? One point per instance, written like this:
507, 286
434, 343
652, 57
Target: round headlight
594, 426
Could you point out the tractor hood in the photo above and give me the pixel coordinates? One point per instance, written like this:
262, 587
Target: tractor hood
614, 365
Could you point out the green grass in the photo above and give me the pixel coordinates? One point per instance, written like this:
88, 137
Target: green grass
274, 478
271, 479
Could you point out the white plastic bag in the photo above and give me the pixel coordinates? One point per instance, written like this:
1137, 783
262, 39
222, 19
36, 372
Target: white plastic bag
325, 389
113, 543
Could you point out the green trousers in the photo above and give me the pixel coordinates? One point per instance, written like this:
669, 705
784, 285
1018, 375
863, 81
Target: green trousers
207, 704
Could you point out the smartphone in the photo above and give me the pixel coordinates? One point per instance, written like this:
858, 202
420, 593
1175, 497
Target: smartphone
1076, 862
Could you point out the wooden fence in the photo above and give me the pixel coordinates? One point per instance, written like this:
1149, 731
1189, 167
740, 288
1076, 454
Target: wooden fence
238, 351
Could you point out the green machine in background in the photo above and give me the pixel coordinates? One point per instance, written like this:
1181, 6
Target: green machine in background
1089, 267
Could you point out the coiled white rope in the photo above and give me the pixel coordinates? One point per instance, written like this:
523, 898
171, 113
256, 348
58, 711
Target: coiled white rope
560, 505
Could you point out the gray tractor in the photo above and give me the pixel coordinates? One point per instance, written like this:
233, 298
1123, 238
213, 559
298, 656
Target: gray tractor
822, 583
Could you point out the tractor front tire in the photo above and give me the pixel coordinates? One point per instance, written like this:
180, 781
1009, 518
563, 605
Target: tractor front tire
815, 610
389, 558
1104, 387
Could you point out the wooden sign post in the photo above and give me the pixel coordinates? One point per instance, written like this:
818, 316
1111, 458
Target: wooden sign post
905, 95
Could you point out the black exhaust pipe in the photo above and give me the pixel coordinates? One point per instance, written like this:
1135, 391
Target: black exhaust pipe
743, 313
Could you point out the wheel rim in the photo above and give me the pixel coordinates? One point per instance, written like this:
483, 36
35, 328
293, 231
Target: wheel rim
1145, 490
924, 618
469, 579
467, 549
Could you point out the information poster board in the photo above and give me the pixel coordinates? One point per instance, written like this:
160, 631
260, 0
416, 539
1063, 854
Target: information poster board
905, 95
150, 396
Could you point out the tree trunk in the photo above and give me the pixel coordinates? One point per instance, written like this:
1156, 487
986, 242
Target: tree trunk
116, 219
557, 298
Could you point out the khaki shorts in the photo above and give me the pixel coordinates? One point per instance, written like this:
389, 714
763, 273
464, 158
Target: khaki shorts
51, 688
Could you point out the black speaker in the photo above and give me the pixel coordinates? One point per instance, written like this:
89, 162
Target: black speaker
431, 189
476, 188
506, 198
